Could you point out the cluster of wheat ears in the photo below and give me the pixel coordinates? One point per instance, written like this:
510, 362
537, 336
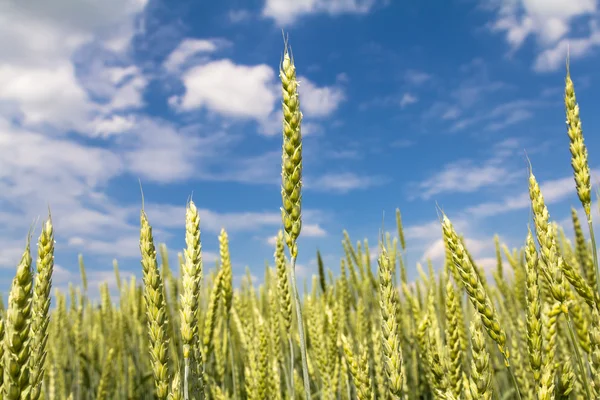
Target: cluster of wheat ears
366, 334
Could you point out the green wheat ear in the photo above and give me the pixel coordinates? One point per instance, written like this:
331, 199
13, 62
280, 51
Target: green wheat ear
191, 275
291, 174
156, 309
291, 186
579, 153
227, 284
579, 162
283, 285
392, 347
41, 306
480, 298
17, 342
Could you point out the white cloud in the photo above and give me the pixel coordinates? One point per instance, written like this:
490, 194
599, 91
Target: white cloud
431, 230
230, 89
427, 239
60, 78
451, 113
12, 250
550, 23
416, 77
173, 216
252, 92
343, 182
114, 124
63, 73
308, 230
435, 251
29, 156
160, 151
286, 12
463, 109
428, 230
547, 19
442, 110
38, 43
272, 240
514, 117
302, 271
489, 264
312, 230
188, 48
471, 91
237, 16
118, 74
467, 176
126, 246
45, 95
464, 177
318, 101
481, 250
37, 33
553, 192
403, 143
41, 170
114, 88
310, 129
553, 58
167, 216
61, 278
408, 99
499, 117
261, 169
129, 95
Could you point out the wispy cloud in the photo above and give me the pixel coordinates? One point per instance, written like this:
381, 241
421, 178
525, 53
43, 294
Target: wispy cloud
229, 89
237, 16
417, 77
403, 143
308, 230
284, 12
190, 47
551, 24
408, 99
467, 176
553, 190
166, 215
250, 92
319, 101
500, 116
470, 102
344, 182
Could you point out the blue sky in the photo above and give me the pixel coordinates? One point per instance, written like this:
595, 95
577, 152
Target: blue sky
406, 104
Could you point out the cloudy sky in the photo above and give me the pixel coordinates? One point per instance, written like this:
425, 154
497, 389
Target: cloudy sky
415, 105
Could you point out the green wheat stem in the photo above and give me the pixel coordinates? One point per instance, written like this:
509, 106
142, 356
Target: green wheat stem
594, 251
513, 378
231, 358
303, 353
292, 387
186, 378
582, 368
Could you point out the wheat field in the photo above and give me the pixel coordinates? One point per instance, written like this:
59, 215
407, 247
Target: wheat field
362, 331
